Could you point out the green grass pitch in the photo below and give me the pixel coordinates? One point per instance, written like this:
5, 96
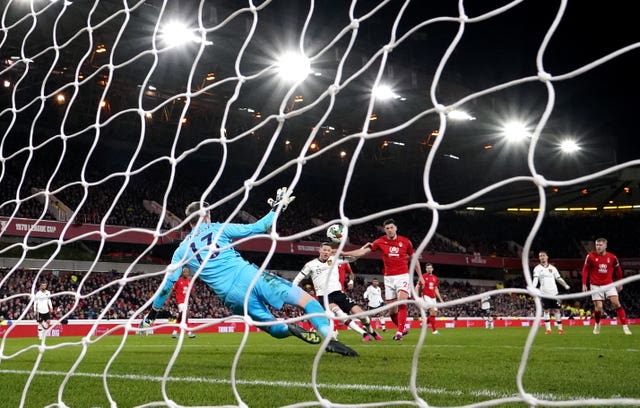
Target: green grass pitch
458, 367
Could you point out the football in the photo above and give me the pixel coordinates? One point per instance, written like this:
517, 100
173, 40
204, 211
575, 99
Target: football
334, 233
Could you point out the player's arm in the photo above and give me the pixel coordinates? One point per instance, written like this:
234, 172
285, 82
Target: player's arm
585, 274
438, 294
561, 281
617, 269
357, 253
419, 285
162, 296
419, 273
536, 275
352, 277
301, 275
50, 305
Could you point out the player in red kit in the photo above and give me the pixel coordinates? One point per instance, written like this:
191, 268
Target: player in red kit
430, 292
597, 271
181, 289
344, 270
396, 254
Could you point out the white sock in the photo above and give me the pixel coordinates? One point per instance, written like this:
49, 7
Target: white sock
352, 325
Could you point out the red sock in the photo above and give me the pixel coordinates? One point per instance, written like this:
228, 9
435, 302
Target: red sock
394, 319
402, 317
432, 322
597, 315
622, 316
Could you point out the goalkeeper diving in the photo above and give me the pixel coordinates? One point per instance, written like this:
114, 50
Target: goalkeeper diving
230, 275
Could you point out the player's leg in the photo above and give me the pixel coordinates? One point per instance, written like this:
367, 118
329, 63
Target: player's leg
365, 320
383, 321
597, 311
433, 314
430, 304
546, 316
340, 314
402, 313
622, 315
40, 328
558, 316
390, 296
182, 308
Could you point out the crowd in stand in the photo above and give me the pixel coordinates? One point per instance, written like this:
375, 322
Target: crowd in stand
95, 295
487, 234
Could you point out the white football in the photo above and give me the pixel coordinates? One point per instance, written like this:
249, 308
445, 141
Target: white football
334, 233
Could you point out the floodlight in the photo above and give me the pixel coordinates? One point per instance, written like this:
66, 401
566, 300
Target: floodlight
176, 33
294, 67
569, 146
515, 131
384, 92
460, 115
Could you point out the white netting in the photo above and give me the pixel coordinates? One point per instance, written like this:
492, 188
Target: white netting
101, 106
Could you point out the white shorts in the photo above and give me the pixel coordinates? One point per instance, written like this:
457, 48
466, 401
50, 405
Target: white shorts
431, 302
603, 294
394, 283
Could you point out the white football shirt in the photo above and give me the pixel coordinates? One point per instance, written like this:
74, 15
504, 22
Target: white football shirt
42, 302
324, 275
547, 276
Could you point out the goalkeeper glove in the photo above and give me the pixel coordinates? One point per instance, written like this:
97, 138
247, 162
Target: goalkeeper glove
281, 197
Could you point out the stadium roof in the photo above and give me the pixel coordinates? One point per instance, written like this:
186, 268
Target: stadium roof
596, 107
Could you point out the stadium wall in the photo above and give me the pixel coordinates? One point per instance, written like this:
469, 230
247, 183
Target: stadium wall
94, 328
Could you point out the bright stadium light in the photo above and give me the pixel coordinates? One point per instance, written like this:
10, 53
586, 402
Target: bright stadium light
569, 146
294, 67
384, 93
176, 33
515, 131
460, 115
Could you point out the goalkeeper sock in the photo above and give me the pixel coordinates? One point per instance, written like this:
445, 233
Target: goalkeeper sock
622, 316
152, 314
320, 323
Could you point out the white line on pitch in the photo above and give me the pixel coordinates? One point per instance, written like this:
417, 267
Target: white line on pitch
287, 384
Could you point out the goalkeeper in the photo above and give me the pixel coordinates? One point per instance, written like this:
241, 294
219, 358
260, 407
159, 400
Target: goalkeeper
230, 276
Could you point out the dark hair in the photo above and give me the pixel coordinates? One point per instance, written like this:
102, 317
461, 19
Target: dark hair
388, 221
428, 264
326, 243
543, 251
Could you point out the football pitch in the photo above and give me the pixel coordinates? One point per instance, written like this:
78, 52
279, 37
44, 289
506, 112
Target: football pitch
457, 367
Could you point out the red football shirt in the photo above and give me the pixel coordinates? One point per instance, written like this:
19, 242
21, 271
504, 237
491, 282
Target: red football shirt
395, 253
430, 285
181, 287
343, 270
598, 269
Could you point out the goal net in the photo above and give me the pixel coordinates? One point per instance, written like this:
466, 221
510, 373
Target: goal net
116, 114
